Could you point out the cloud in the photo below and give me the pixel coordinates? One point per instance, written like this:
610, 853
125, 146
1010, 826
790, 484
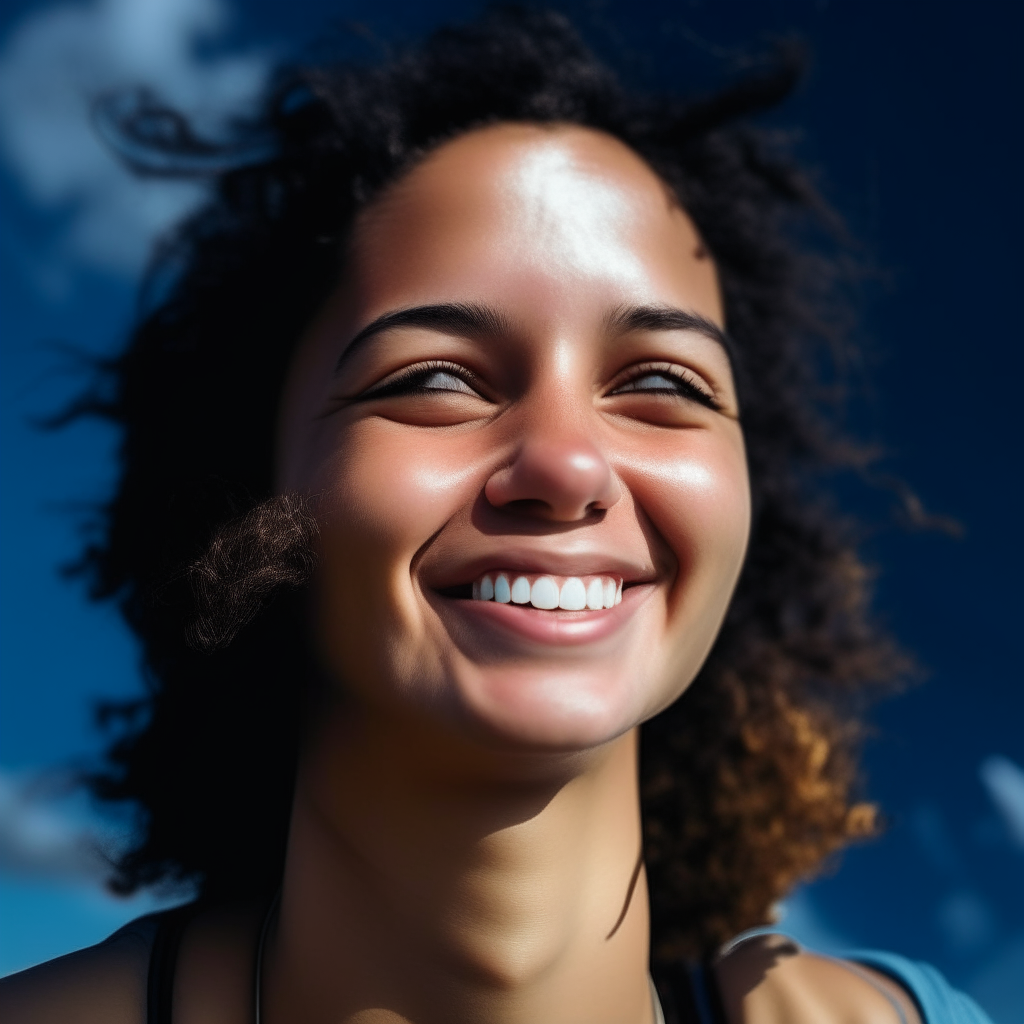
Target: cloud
56, 61
41, 838
1005, 784
966, 921
53, 867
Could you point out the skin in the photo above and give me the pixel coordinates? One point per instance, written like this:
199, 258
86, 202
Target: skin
466, 826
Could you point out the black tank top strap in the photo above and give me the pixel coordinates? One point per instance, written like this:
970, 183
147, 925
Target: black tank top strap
712, 993
689, 993
163, 959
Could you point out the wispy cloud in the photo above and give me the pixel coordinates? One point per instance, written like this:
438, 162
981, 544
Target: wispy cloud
54, 861
1005, 784
53, 65
42, 836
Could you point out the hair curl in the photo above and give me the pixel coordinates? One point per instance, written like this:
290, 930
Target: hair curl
749, 779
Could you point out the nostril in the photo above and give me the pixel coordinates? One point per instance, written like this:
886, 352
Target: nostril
554, 480
536, 507
526, 505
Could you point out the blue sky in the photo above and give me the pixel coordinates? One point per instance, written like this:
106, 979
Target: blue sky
909, 120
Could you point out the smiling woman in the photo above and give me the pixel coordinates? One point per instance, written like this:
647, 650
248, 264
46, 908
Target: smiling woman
502, 653
549, 424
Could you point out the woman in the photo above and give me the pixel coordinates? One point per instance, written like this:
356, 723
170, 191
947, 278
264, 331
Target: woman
501, 650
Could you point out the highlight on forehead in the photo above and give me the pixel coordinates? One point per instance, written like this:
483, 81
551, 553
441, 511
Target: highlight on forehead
582, 140
578, 184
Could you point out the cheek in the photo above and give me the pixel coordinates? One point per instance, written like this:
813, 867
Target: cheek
697, 498
391, 487
385, 495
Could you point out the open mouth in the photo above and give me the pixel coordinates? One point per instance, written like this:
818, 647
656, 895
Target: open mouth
536, 611
543, 591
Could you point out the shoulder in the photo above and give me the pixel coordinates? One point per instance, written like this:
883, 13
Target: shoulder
769, 979
205, 950
105, 983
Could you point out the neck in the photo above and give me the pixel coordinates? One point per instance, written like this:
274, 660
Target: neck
420, 886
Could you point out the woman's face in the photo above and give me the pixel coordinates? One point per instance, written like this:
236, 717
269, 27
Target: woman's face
517, 395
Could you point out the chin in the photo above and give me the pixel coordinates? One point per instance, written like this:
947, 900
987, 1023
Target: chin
553, 708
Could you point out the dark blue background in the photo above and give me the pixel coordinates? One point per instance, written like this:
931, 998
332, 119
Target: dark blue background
910, 118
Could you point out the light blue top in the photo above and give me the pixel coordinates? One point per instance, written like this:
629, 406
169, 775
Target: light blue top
937, 1001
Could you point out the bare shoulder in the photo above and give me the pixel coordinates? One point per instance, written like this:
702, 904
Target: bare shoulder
771, 980
103, 984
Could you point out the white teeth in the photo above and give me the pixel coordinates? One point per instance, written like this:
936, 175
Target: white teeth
544, 593
573, 595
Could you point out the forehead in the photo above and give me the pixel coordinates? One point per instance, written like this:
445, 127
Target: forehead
554, 209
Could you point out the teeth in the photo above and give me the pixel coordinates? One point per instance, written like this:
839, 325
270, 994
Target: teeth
574, 594
520, 593
544, 593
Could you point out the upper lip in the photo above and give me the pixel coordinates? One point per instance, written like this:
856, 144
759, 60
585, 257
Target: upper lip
510, 559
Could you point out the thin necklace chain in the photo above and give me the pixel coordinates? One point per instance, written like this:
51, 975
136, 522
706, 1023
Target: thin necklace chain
659, 1013
260, 946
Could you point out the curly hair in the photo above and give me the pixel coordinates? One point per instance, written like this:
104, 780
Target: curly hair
749, 781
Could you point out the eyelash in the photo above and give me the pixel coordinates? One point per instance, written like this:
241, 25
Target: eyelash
405, 382
684, 383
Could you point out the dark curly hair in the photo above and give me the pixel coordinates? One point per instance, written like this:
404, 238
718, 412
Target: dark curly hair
749, 780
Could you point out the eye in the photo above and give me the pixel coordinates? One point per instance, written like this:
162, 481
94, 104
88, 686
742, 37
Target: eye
660, 381
424, 378
668, 380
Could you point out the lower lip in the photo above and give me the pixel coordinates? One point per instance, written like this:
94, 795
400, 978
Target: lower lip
550, 628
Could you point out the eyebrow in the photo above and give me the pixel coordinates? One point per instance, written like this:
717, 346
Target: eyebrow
469, 319
464, 319
665, 318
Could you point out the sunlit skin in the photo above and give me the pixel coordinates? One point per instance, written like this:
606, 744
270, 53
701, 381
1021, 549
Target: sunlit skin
522, 368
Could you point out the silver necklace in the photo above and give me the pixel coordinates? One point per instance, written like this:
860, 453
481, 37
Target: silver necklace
264, 929
659, 1014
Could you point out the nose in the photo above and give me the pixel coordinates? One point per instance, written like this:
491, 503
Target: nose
561, 479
